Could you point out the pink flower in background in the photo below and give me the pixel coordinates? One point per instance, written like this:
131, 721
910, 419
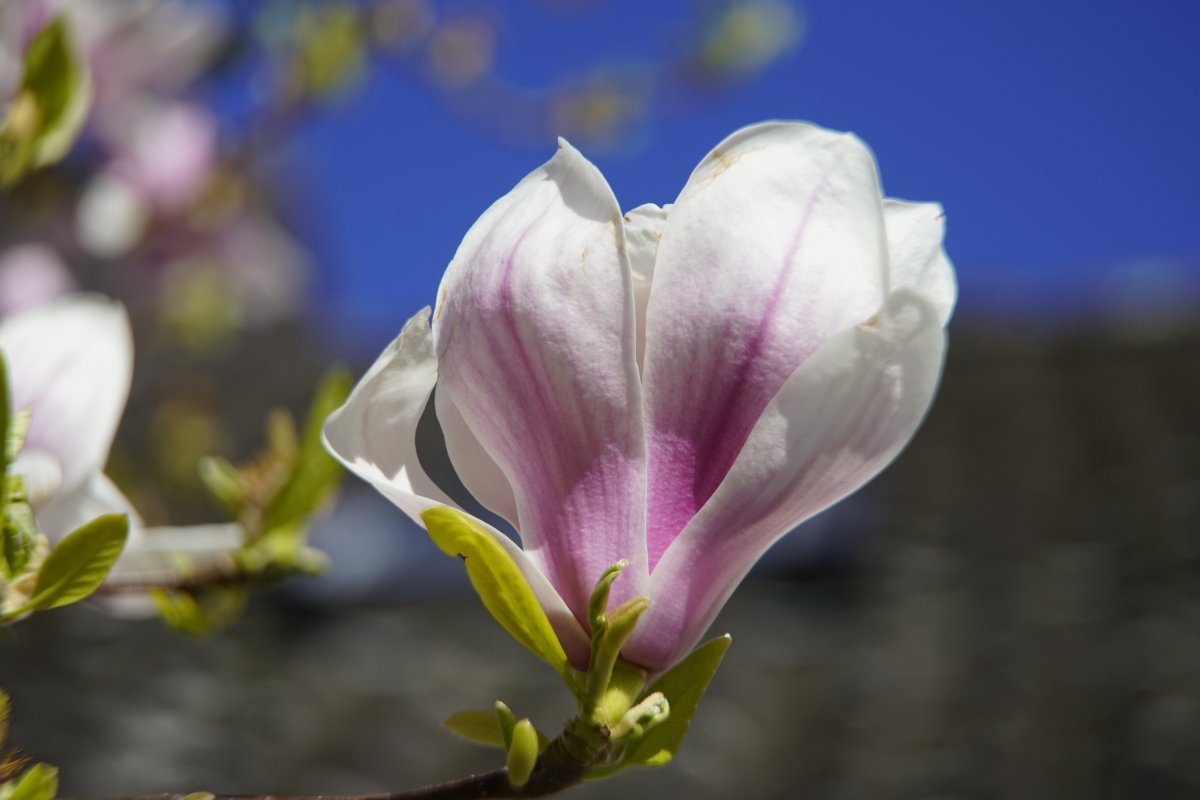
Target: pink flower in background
31, 275
678, 386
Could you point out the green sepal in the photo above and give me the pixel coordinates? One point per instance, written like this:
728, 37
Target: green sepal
499, 582
479, 727
683, 686
607, 640
522, 753
598, 602
50, 107
18, 429
78, 564
39, 782
208, 610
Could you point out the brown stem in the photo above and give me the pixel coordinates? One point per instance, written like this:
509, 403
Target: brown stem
213, 576
556, 770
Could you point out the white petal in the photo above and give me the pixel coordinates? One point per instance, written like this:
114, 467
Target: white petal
839, 420
70, 362
95, 497
476, 468
536, 347
643, 229
374, 435
916, 257
775, 244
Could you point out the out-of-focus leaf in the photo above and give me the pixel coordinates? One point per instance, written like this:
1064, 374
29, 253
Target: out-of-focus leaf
315, 473
79, 563
19, 533
207, 611
223, 483
50, 107
40, 782
499, 583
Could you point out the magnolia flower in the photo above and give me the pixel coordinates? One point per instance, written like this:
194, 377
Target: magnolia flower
70, 363
678, 386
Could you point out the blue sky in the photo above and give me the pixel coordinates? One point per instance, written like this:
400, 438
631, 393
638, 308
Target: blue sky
1060, 136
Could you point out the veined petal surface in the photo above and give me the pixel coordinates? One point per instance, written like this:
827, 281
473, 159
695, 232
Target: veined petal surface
374, 435
536, 347
838, 420
775, 245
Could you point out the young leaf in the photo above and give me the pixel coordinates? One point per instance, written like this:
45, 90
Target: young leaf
81, 561
315, 473
499, 582
59, 83
480, 727
40, 782
682, 686
208, 611
4, 710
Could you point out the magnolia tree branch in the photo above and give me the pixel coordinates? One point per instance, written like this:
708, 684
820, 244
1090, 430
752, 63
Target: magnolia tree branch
556, 769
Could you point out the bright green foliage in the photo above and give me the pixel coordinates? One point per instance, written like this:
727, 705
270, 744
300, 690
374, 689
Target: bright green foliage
682, 686
499, 582
79, 563
272, 498
522, 753
203, 612
480, 727
40, 782
50, 107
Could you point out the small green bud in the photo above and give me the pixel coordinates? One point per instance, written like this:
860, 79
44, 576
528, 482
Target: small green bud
522, 753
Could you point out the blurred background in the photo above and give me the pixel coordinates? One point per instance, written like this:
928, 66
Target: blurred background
1011, 610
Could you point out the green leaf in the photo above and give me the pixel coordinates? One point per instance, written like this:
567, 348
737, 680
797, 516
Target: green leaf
480, 727
20, 531
499, 582
18, 428
683, 685
59, 83
315, 473
5, 708
50, 107
223, 483
40, 782
209, 610
80, 562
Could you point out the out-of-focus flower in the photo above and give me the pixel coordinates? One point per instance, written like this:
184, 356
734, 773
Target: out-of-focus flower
166, 152
70, 363
679, 386
111, 217
31, 275
140, 47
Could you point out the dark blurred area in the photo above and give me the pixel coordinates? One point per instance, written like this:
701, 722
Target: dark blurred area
1020, 622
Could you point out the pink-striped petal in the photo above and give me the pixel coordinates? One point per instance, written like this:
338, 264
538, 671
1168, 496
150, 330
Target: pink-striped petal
839, 419
536, 347
70, 361
374, 434
776, 244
